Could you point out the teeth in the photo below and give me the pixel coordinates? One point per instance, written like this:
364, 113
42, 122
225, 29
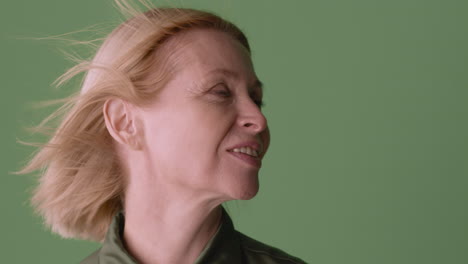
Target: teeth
246, 150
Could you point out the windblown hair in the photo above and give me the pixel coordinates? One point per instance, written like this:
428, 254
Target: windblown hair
81, 182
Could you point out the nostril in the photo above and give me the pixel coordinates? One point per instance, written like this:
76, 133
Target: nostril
251, 125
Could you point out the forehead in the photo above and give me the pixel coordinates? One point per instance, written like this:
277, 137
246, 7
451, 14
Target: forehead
212, 52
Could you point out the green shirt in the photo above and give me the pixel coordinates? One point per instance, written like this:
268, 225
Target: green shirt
227, 246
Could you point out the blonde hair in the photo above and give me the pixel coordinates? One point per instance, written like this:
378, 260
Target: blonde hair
81, 182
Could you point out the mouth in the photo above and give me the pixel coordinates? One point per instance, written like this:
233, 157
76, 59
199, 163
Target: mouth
247, 150
250, 155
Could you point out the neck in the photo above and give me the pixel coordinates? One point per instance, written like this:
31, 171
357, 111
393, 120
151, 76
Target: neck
169, 228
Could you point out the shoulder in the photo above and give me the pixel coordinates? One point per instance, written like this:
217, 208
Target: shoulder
258, 252
92, 259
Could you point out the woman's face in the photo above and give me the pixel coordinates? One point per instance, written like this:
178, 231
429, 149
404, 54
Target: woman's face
205, 132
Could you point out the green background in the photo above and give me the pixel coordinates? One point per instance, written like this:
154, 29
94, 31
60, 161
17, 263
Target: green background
367, 105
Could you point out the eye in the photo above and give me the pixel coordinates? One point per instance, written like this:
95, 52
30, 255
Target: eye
259, 103
221, 90
257, 100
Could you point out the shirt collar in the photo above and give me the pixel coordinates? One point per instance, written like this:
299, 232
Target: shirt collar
224, 246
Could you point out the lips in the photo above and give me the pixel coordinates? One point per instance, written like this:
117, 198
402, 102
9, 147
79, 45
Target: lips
252, 145
249, 152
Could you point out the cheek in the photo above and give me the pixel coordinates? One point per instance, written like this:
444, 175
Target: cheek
205, 134
164, 138
187, 141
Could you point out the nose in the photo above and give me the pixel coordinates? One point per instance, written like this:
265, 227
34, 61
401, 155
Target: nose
251, 118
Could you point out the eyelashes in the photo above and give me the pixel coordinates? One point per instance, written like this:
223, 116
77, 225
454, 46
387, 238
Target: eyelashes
260, 103
223, 91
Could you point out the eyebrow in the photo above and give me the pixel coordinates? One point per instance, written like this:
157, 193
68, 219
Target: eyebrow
256, 84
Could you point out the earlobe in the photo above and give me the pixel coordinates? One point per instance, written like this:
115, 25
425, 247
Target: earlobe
120, 122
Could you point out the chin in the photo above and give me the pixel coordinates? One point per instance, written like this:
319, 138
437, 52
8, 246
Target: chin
245, 191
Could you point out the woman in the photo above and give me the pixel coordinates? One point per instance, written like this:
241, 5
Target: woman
167, 126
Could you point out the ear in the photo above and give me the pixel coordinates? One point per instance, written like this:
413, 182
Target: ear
120, 118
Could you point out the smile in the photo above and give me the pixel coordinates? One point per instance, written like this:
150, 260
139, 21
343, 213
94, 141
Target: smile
246, 150
251, 159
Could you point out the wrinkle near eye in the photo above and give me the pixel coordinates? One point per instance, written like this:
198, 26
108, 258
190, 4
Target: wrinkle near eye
204, 84
198, 88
